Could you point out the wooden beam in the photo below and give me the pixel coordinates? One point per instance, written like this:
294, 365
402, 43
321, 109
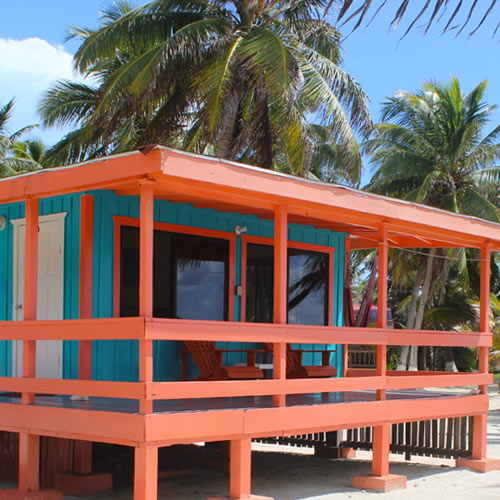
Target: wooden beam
146, 473
146, 236
484, 310
382, 303
280, 293
86, 270
30, 289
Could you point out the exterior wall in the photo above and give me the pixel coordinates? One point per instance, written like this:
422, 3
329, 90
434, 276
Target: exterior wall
71, 205
118, 360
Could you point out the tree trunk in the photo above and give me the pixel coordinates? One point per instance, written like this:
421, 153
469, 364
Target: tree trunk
424, 298
410, 321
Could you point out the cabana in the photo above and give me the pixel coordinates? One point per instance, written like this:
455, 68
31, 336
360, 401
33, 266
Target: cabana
108, 266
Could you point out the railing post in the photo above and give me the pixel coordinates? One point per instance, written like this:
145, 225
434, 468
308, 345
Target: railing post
86, 268
280, 293
484, 311
29, 444
345, 363
382, 303
146, 237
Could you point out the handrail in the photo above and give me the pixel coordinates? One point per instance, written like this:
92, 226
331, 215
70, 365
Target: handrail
237, 388
175, 329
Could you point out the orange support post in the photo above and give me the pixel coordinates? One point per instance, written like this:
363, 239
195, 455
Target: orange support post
380, 480
382, 303
280, 293
30, 289
479, 462
86, 264
146, 236
146, 473
484, 319
345, 363
240, 472
29, 444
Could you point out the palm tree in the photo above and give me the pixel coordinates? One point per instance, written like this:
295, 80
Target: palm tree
451, 14
430, 149
239, 79
11, 162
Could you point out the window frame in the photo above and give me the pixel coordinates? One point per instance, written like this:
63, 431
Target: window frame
120, 221
262, 240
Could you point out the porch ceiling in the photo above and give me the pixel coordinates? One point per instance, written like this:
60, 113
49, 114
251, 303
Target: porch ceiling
230, 187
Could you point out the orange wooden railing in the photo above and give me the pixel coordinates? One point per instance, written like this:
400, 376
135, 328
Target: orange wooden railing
174, 330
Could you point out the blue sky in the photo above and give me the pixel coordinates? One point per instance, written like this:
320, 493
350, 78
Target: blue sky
374, 56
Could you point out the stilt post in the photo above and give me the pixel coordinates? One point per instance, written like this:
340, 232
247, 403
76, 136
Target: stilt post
146, 473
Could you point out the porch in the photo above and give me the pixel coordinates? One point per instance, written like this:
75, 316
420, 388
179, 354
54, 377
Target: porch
149, 414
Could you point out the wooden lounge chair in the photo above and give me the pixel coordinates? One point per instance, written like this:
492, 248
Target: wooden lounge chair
296, 369
208, 359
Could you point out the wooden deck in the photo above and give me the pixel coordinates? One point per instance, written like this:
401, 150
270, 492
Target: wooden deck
129, 406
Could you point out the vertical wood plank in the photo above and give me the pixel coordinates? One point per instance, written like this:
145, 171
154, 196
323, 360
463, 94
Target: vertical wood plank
280, 293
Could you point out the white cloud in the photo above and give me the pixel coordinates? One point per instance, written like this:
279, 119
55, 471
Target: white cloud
28, 68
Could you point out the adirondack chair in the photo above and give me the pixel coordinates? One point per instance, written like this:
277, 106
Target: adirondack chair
208, 359
296, 369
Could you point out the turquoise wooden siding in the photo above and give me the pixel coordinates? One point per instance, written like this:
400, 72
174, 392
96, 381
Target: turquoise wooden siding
71, 205
118, 360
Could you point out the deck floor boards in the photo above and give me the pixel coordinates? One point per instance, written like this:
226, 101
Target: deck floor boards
131, 406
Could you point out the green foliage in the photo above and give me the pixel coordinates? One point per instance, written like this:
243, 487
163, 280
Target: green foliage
17, 157
237, 79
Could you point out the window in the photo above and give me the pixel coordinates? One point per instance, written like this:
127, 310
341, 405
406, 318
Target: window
190, 275
308, 273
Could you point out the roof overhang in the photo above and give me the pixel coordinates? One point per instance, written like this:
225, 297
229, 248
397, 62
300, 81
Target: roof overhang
228, 186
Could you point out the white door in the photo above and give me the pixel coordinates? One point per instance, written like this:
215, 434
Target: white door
50, 290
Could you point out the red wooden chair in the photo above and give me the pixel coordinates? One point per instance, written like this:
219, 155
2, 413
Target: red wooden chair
296, 369
208, 359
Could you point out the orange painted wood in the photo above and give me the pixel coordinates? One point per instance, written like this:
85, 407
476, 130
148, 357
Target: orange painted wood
382, 303
101, 426
479, 433
146, 473
29, 462
280, 303
110, 172
30, 288
86, 269
82, 457
231, 388
99, 388
381, 444
368, 209
174, 228
175, 329
74, 329
240, 468
179, 428
484, 312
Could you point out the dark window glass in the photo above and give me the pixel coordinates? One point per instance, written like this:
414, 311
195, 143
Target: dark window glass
260, 283
307, 285
189, 275
201, 277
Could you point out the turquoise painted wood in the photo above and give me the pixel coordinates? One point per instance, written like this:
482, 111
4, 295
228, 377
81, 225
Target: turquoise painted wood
71, 205
118, 360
